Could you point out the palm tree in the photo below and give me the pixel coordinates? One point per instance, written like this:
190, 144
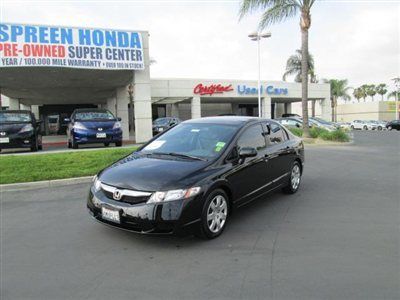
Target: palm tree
293, 67
371, 91
381, 89
358, 93
339, 89
364, 89
393, 95
276, 11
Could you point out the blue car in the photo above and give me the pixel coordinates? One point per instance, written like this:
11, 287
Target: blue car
92, 125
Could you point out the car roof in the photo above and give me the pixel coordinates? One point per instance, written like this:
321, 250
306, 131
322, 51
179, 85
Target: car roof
231, 120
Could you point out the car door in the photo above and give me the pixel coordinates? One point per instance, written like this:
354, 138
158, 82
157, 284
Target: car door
279, 154
248, 176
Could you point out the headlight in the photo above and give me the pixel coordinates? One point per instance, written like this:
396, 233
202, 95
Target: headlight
26, 128
173, 195
96, 183
78, 125
117, 125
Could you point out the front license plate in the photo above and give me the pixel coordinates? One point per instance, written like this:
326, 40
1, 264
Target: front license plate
101, 135
110, 215
160, 129
4, 140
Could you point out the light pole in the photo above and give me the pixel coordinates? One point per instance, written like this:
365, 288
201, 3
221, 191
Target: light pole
257, 36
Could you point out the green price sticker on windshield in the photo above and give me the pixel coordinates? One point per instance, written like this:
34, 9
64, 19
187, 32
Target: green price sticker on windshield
219, 146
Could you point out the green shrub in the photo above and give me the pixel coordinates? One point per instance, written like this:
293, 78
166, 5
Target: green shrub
316, 132
338, 135
296, 131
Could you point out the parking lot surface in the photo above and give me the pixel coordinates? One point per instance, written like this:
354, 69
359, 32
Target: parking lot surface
337, 238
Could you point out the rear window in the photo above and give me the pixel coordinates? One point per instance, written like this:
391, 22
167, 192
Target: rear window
9, 117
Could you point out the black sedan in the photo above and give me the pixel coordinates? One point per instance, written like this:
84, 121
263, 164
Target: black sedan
193, 176
162, 124
395, 124
19, 129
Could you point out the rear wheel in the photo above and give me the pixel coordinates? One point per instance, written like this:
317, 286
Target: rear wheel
118, 144
294, 179
214, 215
390, 127
352, 127
379, 127
365, 127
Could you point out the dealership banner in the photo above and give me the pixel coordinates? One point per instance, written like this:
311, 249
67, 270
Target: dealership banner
85, 48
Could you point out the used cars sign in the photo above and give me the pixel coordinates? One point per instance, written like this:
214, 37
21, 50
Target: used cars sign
52, 46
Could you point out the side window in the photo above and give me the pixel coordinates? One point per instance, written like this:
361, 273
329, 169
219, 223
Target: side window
276, 135
252, 137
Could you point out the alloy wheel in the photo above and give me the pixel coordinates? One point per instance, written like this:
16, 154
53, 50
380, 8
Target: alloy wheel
217, 212
295, 177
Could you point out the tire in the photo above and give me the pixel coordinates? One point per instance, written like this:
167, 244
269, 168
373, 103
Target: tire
365, 127
34, 147
106, 144
380, 128
390, 127
74, 144
40, 143
69, 144
352, 127
293, 184
214, 215
118, 144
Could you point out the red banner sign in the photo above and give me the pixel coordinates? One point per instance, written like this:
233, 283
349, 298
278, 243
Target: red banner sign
212, 89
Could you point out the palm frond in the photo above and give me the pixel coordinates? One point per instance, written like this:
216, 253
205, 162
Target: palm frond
281, 10
249, 6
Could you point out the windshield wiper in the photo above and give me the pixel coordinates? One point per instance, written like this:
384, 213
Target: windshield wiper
179, 155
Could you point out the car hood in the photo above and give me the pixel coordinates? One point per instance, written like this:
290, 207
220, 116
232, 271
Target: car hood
98, 124
154, 173
12, 128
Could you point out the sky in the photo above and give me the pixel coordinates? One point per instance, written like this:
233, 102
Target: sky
358, 40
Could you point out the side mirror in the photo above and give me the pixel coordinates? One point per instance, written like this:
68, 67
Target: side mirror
247, 152
67, 120
119, 119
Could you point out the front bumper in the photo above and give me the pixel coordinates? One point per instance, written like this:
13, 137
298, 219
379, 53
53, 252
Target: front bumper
174, 217
90, 136
22, 140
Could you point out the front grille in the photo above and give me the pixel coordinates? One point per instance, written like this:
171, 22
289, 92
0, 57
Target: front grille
128, 199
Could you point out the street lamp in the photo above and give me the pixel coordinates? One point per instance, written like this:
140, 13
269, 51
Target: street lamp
257, 36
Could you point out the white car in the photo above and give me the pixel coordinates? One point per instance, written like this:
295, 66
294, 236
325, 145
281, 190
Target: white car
363, 125
380, 125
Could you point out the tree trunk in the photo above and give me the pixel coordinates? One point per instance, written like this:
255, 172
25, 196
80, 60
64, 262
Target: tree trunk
313, 108
333, 109
304, 81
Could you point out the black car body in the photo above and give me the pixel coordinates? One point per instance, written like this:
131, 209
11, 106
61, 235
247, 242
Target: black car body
247, 158
162, 124
395, 124
19, 129
91, 126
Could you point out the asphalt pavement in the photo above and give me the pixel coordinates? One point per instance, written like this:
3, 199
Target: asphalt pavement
337, 238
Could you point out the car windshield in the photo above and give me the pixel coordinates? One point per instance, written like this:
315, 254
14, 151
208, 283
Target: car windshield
93, 115
11, 117
193, 140
161, 121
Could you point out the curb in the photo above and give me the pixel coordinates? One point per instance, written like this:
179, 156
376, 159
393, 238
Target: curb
43, 184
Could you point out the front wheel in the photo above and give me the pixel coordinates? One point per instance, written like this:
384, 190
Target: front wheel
352, 127
214, 215
390, 127
118, 144
294, 179
74, 144
365, 127
379, 127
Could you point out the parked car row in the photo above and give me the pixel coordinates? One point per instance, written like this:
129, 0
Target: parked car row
312, 122
373, 125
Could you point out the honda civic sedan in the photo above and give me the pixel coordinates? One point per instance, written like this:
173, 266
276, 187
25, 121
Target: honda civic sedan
91, 125
193, 176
